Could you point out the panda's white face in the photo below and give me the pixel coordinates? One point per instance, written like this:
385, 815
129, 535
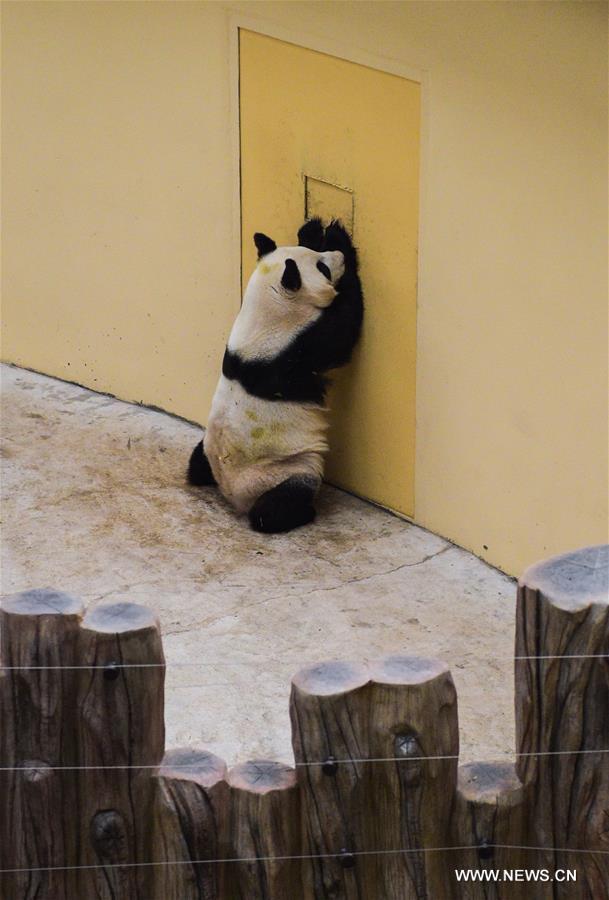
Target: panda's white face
297, 275
288, 290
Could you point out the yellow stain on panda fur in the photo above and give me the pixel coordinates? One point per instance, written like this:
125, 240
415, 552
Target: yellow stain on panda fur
265, 268
272, 431
369, 144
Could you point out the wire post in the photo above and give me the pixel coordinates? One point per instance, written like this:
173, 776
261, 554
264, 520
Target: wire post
265, 822
563, 607
189, 823
37, 730
119, 718
491, 809
399, 710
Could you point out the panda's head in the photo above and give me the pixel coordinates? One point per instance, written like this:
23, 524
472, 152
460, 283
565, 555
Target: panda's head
295, 276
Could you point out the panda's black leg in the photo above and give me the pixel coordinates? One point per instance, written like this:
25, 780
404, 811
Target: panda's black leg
199, 470
287, 506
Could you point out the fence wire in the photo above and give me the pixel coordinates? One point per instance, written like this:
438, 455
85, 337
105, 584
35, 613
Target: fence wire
193, 766
302, 856
225, 664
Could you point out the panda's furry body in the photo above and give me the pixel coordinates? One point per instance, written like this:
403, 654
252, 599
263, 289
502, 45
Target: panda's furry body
266, 432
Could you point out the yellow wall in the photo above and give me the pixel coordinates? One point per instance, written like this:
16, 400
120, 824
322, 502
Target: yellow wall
117, 197
119, 222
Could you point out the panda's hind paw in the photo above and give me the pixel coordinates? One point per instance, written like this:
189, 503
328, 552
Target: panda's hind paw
287, 506
199, 470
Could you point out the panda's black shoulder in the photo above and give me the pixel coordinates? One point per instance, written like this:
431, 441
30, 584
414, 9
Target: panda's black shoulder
287, 376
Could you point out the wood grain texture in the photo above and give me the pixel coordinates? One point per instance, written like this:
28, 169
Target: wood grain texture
264, 822
37, 728
491, 809
37, 800
391, 711
323, 705
120, 723
39, 629
189, 826
562, 705
66, 713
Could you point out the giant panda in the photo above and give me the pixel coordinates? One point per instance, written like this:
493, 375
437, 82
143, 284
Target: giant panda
266, 433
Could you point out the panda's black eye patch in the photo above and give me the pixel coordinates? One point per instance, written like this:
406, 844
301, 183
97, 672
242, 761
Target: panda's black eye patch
291, 279
324, 270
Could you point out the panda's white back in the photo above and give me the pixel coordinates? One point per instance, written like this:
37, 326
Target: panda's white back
253, 444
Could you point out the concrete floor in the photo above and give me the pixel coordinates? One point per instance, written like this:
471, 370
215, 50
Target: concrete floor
95, 504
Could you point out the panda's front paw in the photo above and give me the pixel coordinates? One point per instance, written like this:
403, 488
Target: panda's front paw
337, 238
287, 506
311, 234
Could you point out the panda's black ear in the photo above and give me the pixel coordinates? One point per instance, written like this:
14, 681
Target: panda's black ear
264, 244
311, 235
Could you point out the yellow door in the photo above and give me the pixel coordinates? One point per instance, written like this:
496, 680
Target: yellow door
323, 136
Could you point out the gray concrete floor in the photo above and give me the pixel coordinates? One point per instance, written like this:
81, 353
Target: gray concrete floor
95, 503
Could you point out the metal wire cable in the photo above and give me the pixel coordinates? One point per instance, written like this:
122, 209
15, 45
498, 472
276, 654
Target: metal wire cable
297, 765
299, 856
223, 664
